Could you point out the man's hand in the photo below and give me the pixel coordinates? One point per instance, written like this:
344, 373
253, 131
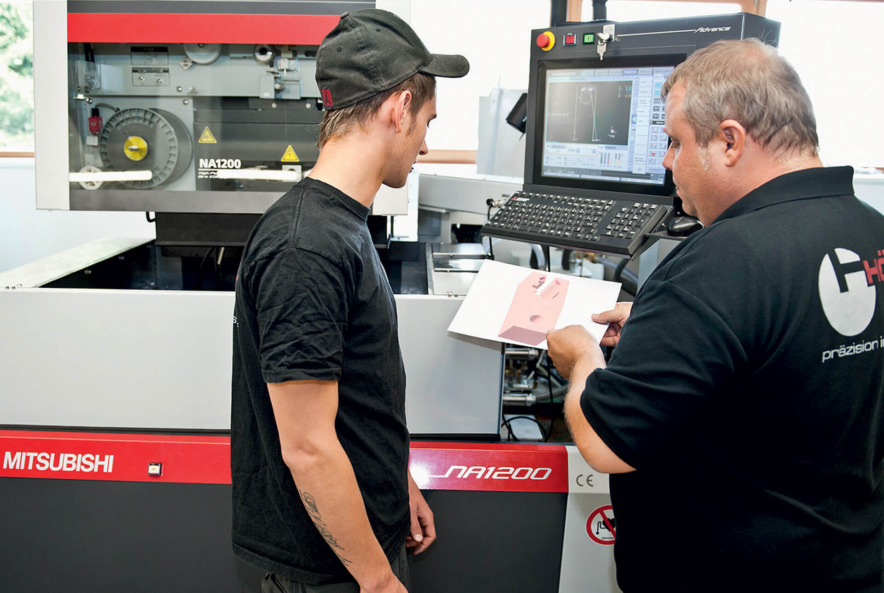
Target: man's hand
616, 317
390, 585
423, 526
568, 345
577, 355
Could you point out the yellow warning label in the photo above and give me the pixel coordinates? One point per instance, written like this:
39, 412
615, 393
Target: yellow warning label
206, 137
290, 156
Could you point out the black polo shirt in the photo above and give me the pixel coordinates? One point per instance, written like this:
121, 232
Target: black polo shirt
747, 391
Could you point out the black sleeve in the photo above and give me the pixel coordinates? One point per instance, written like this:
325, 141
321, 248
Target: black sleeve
302, 301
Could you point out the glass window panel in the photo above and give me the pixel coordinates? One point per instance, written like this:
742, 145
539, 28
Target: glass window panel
16, 77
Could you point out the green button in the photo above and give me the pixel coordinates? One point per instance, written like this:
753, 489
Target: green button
588, 38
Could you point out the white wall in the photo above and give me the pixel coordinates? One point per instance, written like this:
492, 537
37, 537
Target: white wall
28, 234
837, 49
870, 189
495, 36
835, 46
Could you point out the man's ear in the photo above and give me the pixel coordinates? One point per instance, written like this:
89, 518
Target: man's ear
401, 107
734, 136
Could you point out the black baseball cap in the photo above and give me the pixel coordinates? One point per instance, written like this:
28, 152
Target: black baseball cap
371, 51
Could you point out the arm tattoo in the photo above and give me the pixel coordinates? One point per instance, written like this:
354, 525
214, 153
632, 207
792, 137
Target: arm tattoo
313, 511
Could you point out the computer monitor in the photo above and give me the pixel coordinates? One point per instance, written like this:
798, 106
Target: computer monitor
599, 124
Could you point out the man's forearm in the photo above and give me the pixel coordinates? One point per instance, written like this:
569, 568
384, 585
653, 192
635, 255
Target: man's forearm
593, 449
330, 493
581, 432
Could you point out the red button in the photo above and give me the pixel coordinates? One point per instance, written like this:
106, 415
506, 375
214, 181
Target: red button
545, 40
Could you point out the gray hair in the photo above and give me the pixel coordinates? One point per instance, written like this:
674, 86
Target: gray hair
749, 82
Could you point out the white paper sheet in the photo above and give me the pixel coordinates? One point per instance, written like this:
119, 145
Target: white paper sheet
519, 305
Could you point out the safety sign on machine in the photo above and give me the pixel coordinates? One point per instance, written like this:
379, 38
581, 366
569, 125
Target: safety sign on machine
601, 525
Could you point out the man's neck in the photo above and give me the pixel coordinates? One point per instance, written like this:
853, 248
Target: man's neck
756, 168
789, 163
774, 167
761, 167
351, 164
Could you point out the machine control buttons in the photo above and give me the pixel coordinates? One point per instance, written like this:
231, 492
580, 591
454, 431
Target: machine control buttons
588, 38
546, 41
155, 469
570, 39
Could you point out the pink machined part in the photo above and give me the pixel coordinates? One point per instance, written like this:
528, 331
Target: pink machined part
535, 309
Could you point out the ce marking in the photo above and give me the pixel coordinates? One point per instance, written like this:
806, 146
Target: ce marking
585, 480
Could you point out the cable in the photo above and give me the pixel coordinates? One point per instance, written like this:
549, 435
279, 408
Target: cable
551, 373
545, 433
490, 204
554, 373
199, 270
106, 106
548, 376
511, 437
618, 271
628, 278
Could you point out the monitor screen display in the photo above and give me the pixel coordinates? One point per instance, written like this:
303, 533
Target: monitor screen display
601, 124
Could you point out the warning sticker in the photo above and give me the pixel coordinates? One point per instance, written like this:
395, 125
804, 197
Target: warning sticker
207, 137
601, 525
290, 156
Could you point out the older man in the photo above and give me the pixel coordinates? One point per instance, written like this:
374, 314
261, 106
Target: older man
742, 410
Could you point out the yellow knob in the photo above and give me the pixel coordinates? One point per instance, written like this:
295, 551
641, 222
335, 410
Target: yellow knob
135, 148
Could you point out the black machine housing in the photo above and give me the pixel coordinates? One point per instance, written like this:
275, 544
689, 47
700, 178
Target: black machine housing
594, 106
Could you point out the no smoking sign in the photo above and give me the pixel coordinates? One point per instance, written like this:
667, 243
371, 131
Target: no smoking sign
601, 526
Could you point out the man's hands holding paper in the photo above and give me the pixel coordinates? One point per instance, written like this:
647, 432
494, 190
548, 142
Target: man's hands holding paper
576, 355
569, 344
616, 317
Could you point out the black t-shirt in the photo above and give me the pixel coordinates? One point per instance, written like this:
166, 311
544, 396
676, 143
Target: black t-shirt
747, 390
313, 302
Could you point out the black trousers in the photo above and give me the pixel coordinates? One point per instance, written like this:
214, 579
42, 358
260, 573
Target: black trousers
274, 583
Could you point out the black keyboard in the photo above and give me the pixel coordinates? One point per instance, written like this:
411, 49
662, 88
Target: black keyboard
615, 226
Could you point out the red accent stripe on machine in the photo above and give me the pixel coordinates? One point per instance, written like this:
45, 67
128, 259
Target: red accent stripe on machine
195, 459
117, 457
289, 29
490, 467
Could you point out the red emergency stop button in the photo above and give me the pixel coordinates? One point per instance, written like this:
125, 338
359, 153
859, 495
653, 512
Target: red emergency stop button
546, 41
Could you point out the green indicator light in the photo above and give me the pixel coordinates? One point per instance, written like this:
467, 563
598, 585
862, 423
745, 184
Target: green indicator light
588, 38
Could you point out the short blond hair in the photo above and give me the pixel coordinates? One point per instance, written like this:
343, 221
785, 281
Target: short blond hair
749, 82
340, 121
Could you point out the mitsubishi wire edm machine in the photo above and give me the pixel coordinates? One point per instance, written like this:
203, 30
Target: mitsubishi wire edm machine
114, 433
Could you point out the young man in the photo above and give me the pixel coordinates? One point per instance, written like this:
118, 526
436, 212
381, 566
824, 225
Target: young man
322, 496
742, 409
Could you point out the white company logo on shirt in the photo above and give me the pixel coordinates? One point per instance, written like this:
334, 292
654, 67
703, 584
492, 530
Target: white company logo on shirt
847, 289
